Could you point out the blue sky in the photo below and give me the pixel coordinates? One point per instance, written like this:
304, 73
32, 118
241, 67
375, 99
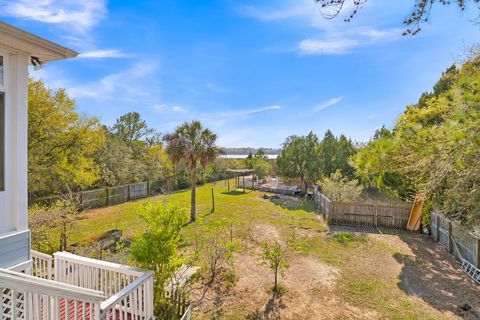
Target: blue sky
253, 71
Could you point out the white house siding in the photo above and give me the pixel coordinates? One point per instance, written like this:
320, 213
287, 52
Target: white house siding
14, 235
14, 249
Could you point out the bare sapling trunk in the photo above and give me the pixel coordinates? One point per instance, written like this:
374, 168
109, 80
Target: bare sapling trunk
275, 286
193, 210
63, 235
304, 185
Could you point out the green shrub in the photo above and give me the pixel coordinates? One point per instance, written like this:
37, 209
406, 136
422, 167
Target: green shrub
340, 188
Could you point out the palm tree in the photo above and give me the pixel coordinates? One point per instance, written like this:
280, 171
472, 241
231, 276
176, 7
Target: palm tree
192, 145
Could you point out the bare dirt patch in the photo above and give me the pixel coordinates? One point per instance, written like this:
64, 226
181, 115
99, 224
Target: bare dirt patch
384, 276
307, 281
265, 232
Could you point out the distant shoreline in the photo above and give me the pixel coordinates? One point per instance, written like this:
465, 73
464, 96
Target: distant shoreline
244, 156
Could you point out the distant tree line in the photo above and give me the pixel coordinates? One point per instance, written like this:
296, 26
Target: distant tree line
246, 151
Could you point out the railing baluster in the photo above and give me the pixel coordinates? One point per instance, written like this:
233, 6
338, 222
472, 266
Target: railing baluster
84, 311
75, 310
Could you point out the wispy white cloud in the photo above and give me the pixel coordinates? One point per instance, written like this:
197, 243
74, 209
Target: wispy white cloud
278, 14
78, 15
225, 118
342, 42
179, 109
326, 104
165, 108
334, 35
258, 110
102, 54
211, 119
335, 46
307, 11
122, 85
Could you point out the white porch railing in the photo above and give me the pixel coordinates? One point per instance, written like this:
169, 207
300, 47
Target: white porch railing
84, 289
129, 290
135, 300
27, 297
42, 265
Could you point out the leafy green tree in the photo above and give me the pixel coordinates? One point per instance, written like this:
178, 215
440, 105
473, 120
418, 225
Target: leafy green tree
259, 163
193, 146
42, 220
133, 152
155, 247
274, 255
435, 147
339, 188
375, 167
214, 249
61, 142
327, 152
157, 164
115, 162
261, 168
299, 159
444, 84
345, 150
131, 128
334, 154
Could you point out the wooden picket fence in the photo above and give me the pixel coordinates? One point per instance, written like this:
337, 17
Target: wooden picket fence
363, 214
107, 196
446, 232
177, 306
96, 198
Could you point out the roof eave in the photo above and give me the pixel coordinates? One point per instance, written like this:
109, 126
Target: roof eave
34, 45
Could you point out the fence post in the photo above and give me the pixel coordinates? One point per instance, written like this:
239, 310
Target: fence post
477, 252
438, 226
450, 238
129, 192
375, 221
213, 202
107, 192
148, 188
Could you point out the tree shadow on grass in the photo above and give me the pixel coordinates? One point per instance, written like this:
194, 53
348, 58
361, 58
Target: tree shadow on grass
429, 273
293, 203
366, 229
434, 275
271, 310
236, 192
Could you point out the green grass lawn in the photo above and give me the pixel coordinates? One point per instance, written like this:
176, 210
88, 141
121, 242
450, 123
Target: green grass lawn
234, 207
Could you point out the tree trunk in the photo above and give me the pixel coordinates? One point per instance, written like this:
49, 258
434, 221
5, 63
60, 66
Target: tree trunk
63, 236
275, 289
193, 209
